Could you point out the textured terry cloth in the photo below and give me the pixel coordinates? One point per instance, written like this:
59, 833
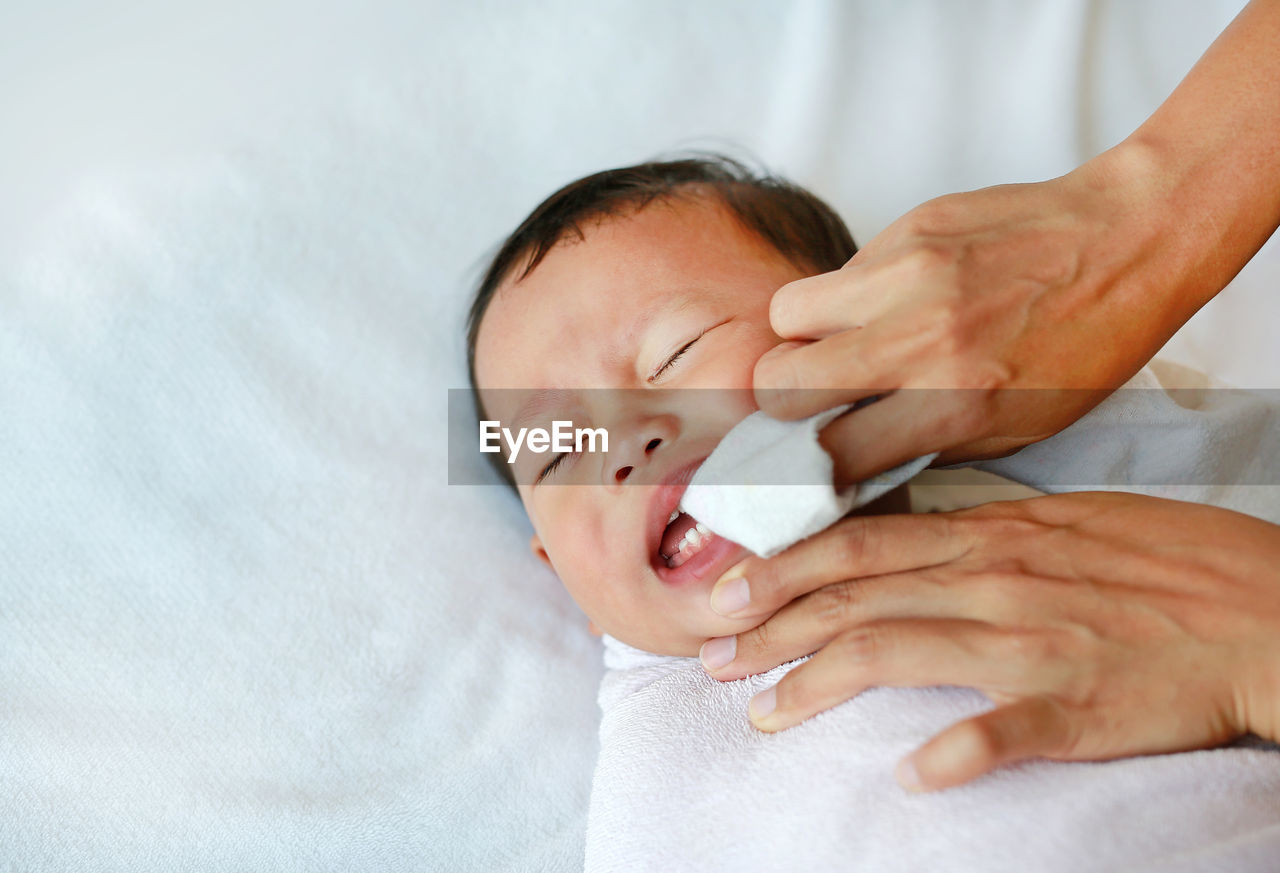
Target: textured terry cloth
685, 783
1209, 444
768, 484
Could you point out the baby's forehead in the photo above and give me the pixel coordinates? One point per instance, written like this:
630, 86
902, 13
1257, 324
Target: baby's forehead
595, 291
603, 248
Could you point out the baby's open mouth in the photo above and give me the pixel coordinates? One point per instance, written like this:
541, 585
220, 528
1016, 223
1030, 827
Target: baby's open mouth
684, 537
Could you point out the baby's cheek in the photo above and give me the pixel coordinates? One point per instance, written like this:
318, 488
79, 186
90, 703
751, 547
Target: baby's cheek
565, 524
577, 545
735, 367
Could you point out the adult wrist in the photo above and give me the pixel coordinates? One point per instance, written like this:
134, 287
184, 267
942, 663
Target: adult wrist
1146, 257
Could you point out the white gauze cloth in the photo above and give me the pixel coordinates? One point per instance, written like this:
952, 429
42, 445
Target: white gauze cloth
768, 484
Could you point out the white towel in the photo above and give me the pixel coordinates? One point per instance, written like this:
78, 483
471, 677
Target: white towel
685, 783
768, 484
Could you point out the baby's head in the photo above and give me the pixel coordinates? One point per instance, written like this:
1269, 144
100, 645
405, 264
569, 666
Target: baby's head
617, 288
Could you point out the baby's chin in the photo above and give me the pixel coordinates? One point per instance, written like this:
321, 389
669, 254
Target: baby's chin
682, 642
683, 648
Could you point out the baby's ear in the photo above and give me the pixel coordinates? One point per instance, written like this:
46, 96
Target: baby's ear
535, 545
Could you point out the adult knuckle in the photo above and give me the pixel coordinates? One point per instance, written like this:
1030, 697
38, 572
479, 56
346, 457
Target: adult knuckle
943, 215
1024, 646
1085, 675
1070, 729
836, 604
1014, 531
794, 690
992, 593
988, 378
927, 258
756, 642
926, 218
968, 524
1004, 577
985, 738
855, 544
1003, 523
862, 647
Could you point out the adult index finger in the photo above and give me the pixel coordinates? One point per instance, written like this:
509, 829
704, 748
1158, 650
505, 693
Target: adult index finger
821, 305
858, 294
851, 549
796, 380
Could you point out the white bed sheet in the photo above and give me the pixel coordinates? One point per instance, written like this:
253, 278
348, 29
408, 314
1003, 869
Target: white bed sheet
245, 624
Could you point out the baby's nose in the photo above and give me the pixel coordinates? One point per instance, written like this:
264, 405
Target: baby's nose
627, 465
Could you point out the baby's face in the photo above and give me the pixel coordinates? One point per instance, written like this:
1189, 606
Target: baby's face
675, 296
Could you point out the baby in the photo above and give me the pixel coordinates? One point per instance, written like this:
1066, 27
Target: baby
634, 281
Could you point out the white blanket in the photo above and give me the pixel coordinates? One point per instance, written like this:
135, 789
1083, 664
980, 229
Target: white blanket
244, 621
685, 783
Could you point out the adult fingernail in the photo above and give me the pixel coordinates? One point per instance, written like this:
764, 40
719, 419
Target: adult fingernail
731, 595
763, 703
908, 776
718, 652
736, 571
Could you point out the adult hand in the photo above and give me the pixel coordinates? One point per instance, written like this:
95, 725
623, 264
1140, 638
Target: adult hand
986, 300
1102, 624
1025, 304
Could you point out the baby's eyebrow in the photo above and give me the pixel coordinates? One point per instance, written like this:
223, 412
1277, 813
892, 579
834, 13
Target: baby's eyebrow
689, 298
538, 403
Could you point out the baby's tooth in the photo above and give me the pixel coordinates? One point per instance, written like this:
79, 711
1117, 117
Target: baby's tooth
702, 528
675, 513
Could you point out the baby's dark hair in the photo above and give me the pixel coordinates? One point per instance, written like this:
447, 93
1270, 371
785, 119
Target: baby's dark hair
800, 226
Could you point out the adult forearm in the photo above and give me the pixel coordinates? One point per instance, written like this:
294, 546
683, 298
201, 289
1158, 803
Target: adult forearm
1202, 174
1066, 286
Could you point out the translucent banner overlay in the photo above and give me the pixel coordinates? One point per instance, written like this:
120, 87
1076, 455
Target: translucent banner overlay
1140, 437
